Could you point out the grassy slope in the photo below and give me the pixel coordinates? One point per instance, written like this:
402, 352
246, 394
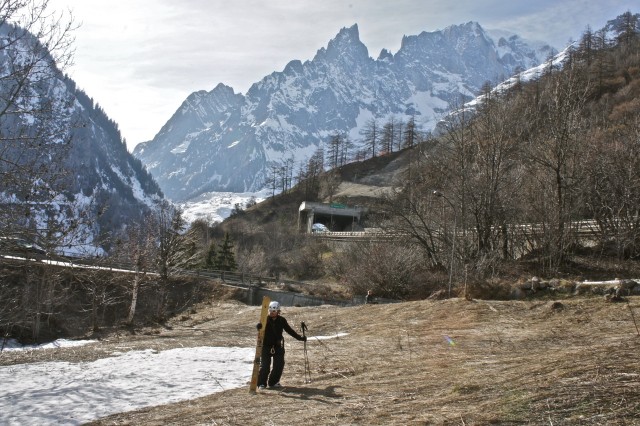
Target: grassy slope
535, 362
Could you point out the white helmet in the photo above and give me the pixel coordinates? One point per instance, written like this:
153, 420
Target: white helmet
274, 306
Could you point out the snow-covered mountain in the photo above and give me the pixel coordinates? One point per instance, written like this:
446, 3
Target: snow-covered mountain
555, 62
226, 141
65, 173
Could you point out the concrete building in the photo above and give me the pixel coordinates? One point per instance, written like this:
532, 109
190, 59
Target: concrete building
336, 217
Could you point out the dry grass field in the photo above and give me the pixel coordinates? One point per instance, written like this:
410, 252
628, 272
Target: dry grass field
447, 362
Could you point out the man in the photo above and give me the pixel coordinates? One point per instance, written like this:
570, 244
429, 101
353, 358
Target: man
273, 347
369, 297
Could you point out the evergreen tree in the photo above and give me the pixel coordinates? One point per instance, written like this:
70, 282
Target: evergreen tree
226, 260
210, 258
627, 28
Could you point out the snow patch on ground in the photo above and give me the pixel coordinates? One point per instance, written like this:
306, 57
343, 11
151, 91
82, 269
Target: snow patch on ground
63, 393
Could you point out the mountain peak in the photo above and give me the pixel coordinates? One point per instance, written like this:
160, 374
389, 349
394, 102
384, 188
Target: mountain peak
221, 87
346, 43
351, 33
385, 55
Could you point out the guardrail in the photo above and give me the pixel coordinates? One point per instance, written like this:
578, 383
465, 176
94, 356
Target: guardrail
244, 279
239, 278
254, 285
354, 235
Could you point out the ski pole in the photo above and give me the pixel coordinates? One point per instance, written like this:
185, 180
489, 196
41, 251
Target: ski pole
307, 370
632, 316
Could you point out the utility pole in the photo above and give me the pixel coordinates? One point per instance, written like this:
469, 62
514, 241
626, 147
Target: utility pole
453, 235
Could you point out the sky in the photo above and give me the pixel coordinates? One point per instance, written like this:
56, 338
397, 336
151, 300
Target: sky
140, 59
63, 393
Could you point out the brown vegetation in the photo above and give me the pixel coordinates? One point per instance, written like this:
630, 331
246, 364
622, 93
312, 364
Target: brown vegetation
455, 361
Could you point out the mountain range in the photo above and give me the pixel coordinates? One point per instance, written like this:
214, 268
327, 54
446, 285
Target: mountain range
222, 141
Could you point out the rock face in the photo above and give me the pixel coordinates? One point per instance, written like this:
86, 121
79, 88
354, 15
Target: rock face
225, 141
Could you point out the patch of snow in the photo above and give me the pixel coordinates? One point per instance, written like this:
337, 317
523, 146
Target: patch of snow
217, 206
63, 393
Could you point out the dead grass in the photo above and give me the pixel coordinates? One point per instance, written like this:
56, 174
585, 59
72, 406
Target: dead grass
449, 362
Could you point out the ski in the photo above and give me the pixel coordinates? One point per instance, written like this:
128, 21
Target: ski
256, 362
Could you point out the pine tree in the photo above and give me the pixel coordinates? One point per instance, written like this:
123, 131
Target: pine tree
226, 260
210, 259
627, 28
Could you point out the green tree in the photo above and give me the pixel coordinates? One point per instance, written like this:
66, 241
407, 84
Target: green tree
226, 260
211, 256
628, 28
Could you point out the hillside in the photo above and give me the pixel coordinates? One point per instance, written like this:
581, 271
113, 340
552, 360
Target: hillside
360, 183
571, 361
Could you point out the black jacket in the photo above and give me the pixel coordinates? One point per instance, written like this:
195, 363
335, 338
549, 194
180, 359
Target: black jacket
273, 331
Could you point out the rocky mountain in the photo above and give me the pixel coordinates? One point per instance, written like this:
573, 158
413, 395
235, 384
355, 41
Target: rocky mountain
226, 141
65, 173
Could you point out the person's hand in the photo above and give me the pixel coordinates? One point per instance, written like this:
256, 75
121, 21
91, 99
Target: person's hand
304, 338
258, 326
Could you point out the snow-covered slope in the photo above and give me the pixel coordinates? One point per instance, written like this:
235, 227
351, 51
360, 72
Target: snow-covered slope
65, 172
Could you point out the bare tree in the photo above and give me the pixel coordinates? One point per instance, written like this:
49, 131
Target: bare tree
410, 212
371, 136
35, 45
555, 128
35, 124
309, 174
455, 168
388, 135
136, 248
612, 185
334, 150
391, 270
345, 151
175, 251
586, 48
411, 133
496, 176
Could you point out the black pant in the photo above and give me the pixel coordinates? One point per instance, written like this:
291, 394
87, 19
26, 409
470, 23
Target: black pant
265, 378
